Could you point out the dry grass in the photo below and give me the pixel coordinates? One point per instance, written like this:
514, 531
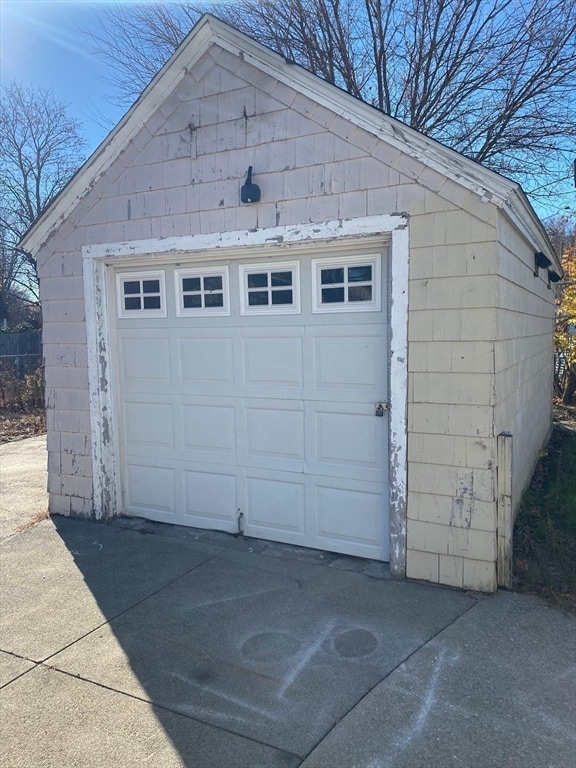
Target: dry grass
38, 518
16, 425
22, 412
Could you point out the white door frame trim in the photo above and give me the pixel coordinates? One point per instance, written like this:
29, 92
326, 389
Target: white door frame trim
97, 291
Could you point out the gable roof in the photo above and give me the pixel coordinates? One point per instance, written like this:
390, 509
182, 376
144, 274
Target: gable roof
489, 185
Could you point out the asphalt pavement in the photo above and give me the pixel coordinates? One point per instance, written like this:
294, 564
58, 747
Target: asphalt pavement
136, 643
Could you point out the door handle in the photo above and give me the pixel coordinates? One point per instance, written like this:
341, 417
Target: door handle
380, 409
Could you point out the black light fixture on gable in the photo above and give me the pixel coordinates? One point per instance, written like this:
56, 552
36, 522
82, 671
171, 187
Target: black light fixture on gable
541, 261
553, 277
249, 192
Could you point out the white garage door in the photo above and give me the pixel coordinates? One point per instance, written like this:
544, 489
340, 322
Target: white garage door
249, 390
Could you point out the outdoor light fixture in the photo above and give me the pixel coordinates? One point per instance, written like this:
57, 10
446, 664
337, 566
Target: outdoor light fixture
540, 261
249, 193
553, 277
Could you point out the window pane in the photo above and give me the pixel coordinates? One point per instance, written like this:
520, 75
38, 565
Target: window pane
132, 303
258, 298
151, 302
192, 302
360, 293
214, 299
331, 295
213, 283
282, 297
191, 284
258, 281
151, 286
281, 278
360, 274
332, 276
132, 286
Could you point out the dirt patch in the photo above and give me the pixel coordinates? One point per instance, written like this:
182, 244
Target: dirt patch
565, 416
16, 425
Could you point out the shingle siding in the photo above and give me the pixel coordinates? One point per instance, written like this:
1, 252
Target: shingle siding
523, 353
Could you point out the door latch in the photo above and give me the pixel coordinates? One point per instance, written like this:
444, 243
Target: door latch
380, 409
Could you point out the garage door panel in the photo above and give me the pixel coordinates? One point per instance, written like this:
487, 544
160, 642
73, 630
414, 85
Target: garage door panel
274, 434
273, 358
148, 423
349, 361
275, 506
209, 427
346, 440
207, 360
211, 498
150, 490
146, 364
349, 518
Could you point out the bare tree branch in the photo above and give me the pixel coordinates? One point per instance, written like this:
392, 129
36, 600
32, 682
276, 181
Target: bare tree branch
40, 149
493, 79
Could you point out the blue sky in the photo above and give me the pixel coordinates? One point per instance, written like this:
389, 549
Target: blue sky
40, 46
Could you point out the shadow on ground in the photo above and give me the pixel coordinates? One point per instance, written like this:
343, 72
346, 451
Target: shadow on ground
248, 653
135, 643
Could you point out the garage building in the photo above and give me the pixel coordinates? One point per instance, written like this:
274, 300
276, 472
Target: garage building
269, 307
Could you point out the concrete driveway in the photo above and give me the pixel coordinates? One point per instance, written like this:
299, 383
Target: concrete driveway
134, 643
23, 496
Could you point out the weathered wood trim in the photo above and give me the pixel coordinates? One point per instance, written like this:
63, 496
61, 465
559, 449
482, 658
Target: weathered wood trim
398, 400
505, 519
248, 239
98, 259
102, 410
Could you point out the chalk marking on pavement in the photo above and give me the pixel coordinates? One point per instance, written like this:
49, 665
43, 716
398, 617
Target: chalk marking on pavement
229, 698
304, 658
403, 740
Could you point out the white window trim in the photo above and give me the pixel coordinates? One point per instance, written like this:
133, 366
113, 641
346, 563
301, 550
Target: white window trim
272, 309
182, 311
127, 314
374, 259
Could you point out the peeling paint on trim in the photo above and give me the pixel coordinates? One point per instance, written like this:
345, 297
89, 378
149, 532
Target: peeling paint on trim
245, 238
398, 400
504, 510
102, 412
98, 260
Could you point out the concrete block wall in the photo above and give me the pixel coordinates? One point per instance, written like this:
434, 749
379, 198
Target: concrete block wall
451, 397
523, 353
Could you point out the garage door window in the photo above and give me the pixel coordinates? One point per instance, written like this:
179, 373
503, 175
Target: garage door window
272, 289
202, 292
141, 294
350, 284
